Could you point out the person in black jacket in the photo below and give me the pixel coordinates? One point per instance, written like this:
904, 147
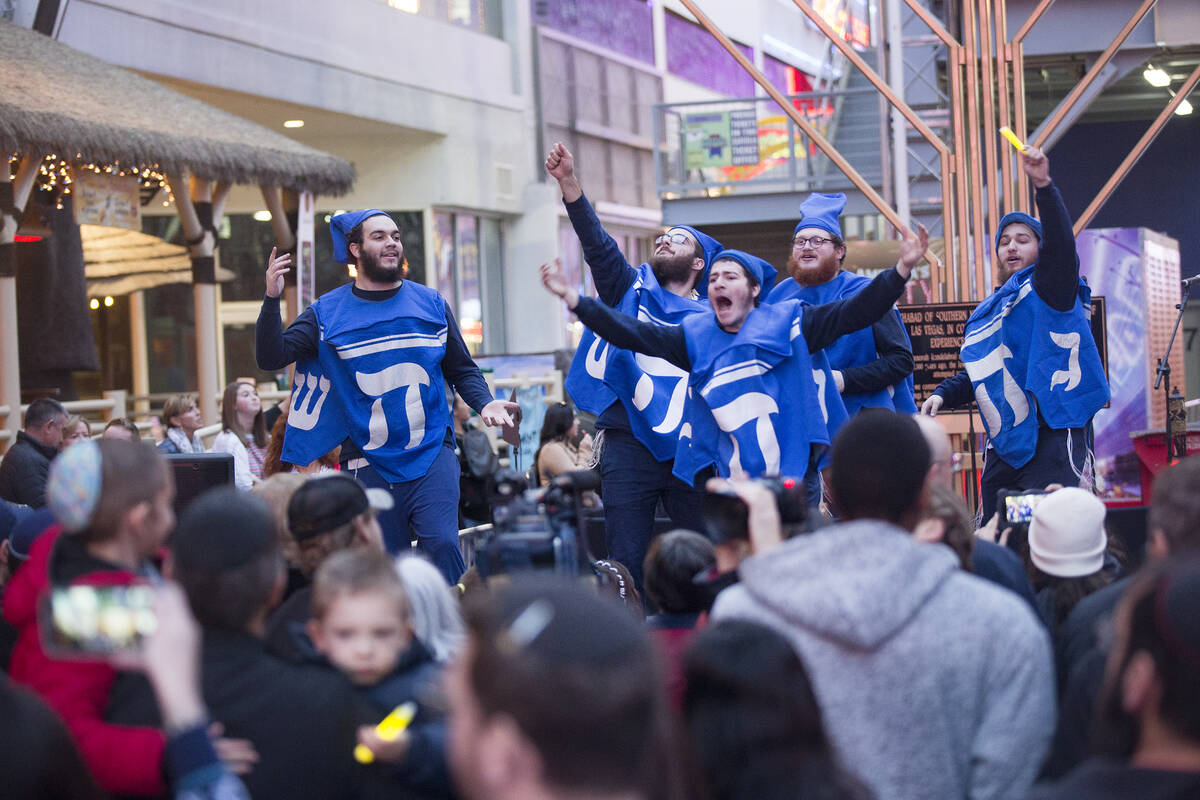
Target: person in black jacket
27, 463
302, 721
1150, 710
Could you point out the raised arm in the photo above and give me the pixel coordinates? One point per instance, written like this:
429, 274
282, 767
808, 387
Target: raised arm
823, 324
611, 271
275, 348
893, 364
665, 341
1056, 275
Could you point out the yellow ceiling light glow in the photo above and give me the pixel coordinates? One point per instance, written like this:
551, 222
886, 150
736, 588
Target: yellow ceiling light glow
1155, 76
293, 123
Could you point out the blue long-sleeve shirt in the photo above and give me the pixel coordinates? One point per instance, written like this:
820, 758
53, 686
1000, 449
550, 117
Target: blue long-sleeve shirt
275, 348
1055, 279
612, 275
821, 325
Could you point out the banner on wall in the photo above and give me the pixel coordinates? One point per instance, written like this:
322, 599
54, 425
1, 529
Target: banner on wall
306, 261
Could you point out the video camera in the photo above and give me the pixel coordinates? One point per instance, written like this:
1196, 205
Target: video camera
726, 517
537, 529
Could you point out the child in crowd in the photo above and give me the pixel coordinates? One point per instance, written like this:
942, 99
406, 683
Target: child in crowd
361, 622
112, 500
672, 564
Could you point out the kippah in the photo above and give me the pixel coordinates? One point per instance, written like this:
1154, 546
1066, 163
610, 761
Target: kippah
73, 486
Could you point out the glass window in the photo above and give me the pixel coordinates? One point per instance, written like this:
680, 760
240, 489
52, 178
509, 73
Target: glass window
461, 272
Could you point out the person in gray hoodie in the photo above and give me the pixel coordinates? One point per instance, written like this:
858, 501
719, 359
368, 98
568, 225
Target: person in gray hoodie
932, 682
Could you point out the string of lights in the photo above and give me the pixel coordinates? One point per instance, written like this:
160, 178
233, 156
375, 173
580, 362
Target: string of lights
56, 175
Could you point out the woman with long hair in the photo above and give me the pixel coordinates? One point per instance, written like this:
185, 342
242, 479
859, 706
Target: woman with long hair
561, 449
243, 433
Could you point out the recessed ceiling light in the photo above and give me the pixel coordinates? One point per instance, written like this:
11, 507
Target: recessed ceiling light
299, 123
262, 216
1156, 76
1183, 109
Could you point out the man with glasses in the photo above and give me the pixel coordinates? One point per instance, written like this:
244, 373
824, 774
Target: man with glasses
872, 368
638, 399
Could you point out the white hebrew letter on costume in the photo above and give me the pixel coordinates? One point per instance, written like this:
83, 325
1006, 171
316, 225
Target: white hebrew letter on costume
644, 391
982, 368
377, 384
751, 406
819, 380
1072, 374
597, 359
305, 413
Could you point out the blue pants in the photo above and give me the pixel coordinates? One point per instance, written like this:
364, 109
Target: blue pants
1062, 456
429, 505
633, 483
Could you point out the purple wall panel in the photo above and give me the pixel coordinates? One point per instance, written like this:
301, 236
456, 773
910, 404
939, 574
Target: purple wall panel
696, 56
623, 26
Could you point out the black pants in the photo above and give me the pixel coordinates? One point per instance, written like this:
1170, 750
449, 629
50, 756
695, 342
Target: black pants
1062, 456
633, 482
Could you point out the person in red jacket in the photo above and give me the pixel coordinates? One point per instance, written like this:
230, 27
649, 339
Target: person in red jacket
112, 500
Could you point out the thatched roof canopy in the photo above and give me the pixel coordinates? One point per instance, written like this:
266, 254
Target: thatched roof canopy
55, 99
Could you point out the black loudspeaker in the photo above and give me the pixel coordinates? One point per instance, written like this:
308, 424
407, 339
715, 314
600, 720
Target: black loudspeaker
594, 533
196, 473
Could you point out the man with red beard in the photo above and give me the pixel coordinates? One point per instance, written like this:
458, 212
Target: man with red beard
872, 368
638, 399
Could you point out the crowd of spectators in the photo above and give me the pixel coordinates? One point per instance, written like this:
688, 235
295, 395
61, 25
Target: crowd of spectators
895, 653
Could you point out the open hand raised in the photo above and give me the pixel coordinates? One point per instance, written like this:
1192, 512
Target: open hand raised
277, 267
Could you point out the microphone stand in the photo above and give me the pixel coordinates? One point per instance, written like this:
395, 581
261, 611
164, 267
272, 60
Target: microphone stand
1176, 439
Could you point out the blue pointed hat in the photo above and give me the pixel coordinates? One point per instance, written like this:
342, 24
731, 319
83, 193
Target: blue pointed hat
711, 247
763, 272
821, 211
340, 227
1017, 216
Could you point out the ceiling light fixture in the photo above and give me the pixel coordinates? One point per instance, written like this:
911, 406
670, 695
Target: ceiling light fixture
262, 216
299, 123
1156, 76
1183, 109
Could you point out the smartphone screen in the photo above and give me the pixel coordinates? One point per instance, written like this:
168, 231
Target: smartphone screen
96, 620
1019, 507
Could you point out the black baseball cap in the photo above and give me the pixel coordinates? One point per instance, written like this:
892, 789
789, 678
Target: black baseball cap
325, 502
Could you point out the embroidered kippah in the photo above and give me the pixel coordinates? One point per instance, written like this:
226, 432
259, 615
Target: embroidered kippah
73, 486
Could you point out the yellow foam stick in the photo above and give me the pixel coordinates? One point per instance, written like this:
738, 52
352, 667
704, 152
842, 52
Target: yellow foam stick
1007, 133
388, 730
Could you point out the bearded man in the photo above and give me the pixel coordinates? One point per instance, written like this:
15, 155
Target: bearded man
1031, 362
872, 368
638, 399
355, 349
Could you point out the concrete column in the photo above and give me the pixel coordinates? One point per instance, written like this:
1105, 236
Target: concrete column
13, 195
204, 299
138, 351
895, 74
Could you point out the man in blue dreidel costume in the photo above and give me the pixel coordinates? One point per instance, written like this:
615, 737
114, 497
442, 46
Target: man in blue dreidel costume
754, 407
872, 368
1031, 362
372, 361
638, 399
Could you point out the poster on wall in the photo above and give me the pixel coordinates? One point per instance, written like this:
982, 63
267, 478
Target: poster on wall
108, 200
707, 140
